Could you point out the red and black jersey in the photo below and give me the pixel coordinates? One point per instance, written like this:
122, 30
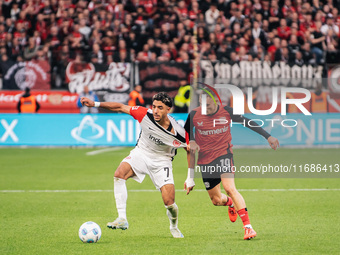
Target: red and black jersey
212, 132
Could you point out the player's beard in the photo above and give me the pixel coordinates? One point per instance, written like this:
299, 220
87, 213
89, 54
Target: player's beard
158, 120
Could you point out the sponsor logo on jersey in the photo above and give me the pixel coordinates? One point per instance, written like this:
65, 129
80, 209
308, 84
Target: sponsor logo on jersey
213, 131
176, 143
157, 141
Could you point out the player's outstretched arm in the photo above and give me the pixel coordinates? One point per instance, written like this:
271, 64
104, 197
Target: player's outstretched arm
112, 106
273, 142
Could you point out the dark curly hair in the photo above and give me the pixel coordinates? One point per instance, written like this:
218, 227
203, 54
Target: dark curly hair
164, 98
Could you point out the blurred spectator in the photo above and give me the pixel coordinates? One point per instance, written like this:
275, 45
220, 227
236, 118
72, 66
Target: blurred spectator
257, 32
282, 54
257, 51
287, 8
211, 16
182, 99
283, 31
121, 55
293, 45
28, 103
182, 10
308, 57
96, 51
31, 49
91, 95
194, 11
329, 25
183, 57
299, 59
84, 29
223, 52
237, 17
136, 97
274, 15
15, 11
331, 41
15, 49
317, 39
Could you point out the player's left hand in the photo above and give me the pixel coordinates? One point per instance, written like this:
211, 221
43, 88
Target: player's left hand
273, 142
189, 185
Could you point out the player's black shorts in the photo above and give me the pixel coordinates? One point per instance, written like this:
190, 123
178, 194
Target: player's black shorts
211, 173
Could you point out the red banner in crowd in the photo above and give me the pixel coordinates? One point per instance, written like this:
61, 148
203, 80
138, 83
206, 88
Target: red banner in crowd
110, 82
34, 74
50, 101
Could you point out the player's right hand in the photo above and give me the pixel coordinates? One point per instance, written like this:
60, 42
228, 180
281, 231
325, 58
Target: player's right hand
189, 185
86, 102
273, 142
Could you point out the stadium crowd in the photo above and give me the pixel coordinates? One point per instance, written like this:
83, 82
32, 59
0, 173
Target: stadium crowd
102, 31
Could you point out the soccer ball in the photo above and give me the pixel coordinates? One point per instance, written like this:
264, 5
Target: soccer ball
90, 232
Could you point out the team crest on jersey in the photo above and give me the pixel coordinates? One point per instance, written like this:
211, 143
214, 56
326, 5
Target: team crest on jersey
176, 143
200, 123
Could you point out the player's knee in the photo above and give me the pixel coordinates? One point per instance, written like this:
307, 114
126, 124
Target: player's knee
231, 191
168, 202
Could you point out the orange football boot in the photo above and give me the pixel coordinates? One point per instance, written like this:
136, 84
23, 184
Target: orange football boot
249, 233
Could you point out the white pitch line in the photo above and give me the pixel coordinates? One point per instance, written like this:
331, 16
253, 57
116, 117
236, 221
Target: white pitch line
154, 190
91, 153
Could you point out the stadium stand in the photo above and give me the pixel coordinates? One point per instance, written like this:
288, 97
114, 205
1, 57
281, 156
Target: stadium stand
105, 31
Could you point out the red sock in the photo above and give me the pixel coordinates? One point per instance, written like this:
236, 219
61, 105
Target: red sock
243, 213
229, 202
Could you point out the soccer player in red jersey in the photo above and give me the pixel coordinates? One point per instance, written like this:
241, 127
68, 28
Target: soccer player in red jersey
213, 143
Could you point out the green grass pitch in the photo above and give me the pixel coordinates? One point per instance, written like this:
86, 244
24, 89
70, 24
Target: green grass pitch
287, 221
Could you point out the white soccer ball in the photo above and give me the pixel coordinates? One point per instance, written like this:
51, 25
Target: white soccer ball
90, 232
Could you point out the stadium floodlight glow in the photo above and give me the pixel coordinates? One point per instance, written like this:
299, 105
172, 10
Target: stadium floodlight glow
238, 100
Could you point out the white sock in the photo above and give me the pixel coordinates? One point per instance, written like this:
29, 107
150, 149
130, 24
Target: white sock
172, 212
120, 192
248, 226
